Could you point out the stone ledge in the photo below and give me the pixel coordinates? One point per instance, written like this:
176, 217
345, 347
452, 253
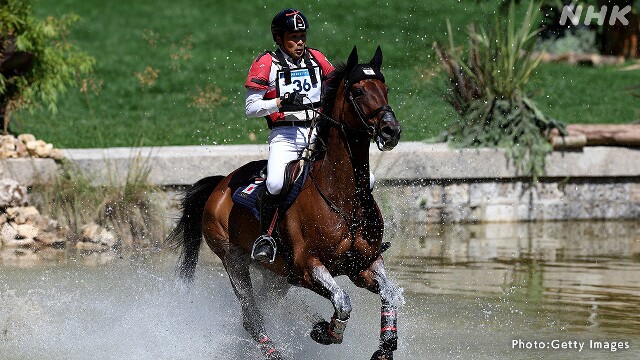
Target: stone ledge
184, 165
415, 160
27, 171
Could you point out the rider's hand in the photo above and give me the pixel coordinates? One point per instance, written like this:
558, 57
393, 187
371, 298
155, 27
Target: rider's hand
291, 99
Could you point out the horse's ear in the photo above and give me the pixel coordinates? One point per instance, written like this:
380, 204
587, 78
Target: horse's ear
352, 62
376, 62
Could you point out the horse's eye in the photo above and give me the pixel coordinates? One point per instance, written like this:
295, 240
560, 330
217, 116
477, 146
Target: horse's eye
357, 92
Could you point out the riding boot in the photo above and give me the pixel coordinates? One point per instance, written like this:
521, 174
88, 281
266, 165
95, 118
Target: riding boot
264, 248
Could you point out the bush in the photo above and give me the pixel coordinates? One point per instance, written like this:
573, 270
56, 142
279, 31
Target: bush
37, 62
488, 91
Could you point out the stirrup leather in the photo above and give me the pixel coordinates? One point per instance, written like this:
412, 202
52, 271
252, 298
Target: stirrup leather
271, 242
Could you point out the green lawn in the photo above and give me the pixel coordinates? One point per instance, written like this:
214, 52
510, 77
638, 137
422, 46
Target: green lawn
216, 40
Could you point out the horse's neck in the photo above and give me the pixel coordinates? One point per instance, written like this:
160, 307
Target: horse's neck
346, 168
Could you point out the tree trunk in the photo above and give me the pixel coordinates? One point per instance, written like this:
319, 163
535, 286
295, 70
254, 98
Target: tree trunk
597, 135
619, 39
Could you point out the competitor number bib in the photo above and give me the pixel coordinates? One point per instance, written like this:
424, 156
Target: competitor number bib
301, 82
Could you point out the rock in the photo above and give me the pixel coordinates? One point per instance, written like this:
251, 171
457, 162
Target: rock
95, 233
56, 154
43, 149
24, 215
24, 138
27, 231
8, 142
12, 193
31, 145
10, 237
8, 232
51, 239
21, 150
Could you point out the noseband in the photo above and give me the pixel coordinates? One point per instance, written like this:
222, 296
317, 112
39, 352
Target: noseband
364, 118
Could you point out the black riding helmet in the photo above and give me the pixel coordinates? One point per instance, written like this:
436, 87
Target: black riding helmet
288, 20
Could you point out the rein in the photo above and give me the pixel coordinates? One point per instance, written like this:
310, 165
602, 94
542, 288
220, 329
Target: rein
354, 221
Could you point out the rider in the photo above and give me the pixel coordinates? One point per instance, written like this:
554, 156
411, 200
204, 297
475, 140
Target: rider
281, 86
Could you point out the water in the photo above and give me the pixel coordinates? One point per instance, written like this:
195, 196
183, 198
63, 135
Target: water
471, 291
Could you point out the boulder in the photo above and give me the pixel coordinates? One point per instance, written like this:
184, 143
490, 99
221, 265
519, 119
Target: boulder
27, 231
26, 215
12, 193
11, 237
51, 239
96, 234
24, 138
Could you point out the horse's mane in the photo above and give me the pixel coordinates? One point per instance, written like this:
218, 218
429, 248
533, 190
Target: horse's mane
331, 88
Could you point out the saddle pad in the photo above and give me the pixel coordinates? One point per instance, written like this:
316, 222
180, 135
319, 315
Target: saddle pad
247, 195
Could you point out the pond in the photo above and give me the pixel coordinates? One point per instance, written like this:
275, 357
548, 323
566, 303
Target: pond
493, 291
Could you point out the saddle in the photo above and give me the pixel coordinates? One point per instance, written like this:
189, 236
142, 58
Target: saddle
246, 195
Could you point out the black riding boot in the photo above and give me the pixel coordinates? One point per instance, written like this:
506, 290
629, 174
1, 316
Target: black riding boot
264, 248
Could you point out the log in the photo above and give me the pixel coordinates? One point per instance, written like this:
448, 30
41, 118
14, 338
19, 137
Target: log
568, 142
574, 58
599, 135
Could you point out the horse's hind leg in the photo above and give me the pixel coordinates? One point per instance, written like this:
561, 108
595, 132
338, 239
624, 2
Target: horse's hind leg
274, 288
237, 262
375, 279
324, 332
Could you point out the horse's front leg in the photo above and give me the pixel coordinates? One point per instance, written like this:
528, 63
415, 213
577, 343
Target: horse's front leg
324, 332
376, 280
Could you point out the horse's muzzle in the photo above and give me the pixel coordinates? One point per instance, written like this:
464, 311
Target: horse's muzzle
388, 133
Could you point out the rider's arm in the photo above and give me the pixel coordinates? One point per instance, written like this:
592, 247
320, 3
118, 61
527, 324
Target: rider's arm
256, 105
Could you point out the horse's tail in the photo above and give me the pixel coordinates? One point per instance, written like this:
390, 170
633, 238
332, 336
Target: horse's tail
188, 232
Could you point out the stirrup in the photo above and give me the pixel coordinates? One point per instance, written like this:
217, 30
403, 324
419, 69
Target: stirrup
273, 245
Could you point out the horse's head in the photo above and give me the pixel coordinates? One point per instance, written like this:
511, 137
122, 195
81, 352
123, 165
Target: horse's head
365, 91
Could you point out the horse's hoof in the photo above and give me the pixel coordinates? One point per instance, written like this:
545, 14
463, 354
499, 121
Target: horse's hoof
321, 333
382, 355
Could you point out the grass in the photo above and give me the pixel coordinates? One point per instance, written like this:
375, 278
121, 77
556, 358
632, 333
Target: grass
201, 51
130, 210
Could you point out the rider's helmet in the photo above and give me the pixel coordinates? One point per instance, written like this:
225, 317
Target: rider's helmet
288, 20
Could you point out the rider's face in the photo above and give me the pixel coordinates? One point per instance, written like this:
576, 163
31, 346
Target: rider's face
294, 42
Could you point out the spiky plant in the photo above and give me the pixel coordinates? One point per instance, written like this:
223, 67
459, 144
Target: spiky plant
488, 91
130, 210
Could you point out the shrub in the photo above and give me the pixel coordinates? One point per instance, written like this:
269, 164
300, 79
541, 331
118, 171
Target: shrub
37, 62
488, 92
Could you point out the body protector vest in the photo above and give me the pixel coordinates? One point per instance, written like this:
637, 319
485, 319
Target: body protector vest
273, 73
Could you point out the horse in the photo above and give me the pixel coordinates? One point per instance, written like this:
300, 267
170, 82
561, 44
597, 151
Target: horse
334, 227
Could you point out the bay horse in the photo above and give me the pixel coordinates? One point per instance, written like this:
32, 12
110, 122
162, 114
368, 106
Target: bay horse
333, 228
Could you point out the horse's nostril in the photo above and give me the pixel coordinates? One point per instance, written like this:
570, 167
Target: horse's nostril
388, 132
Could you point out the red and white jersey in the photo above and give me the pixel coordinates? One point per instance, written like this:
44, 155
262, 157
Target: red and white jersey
269, 77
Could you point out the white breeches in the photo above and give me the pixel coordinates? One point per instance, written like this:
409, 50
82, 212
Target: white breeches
286, 144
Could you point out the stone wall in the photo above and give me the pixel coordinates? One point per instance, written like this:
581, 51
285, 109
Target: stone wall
464, 201
416, 181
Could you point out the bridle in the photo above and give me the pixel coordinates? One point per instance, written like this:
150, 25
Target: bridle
353, 221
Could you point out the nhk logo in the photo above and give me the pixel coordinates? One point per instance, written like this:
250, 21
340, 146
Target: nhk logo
573, 13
